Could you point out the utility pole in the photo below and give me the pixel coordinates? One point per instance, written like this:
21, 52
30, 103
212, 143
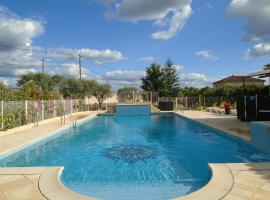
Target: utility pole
80, 66
43, 65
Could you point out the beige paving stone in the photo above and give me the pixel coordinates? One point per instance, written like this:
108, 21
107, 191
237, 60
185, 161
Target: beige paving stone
248, 166
266, 186
3, 196
251, 178
261, 195
235, 173
242, 191
229, 124
33, 178
24, 193
232, 197
13, 181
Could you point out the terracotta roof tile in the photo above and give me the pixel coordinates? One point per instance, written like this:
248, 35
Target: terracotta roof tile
234, 79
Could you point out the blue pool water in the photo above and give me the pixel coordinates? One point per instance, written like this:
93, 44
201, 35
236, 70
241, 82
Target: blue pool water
149, 157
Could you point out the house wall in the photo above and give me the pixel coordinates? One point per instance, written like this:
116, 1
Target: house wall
237, 84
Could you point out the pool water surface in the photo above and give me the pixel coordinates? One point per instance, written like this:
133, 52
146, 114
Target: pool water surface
117, 157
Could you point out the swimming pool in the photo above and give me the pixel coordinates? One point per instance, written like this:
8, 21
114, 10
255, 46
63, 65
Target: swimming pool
158, 156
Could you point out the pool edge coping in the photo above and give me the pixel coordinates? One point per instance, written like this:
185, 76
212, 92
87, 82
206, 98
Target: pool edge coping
221, 173
52, 188
217, 188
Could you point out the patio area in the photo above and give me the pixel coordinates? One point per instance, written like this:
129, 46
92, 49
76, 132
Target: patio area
226, 123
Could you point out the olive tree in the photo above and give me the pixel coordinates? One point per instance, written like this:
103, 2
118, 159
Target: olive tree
102, 92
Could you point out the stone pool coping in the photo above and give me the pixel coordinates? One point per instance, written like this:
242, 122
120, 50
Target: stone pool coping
229, 181
234, 181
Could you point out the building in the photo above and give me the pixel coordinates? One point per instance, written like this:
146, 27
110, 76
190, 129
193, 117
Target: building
237, 81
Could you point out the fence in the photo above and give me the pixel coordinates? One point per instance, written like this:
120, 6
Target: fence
137, 97
193, 102
18, 113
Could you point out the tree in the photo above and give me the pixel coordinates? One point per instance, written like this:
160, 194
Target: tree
170, 80
88, 87
163, 80
189, 92
153, 82
102, 92
127, 93
7, 94
71, 88
49, 84
30, 91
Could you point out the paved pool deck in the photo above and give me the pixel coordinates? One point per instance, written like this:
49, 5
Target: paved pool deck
236, 181
226, 123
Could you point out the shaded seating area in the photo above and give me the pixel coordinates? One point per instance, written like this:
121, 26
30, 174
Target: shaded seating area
255, 108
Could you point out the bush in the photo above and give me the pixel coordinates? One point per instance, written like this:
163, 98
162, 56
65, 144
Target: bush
13, 119
111, 108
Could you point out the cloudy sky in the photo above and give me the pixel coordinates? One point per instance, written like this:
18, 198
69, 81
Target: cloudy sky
118, 39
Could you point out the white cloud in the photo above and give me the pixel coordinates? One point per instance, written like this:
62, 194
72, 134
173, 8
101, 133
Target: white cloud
105, 2
16, 38
98, 56
177, 23
18, 55
16, 31
179, 67
206, 55
195, 80
69, 69
123, 78
256, 14
10, 82
149, 59
258, 50
171, 13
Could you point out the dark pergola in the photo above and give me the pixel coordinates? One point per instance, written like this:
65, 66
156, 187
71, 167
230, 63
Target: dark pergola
264, 73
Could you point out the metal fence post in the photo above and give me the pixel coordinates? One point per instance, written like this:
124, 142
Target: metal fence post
42, 110
54, 109
71, 106
2, 115
64, 106
26, 109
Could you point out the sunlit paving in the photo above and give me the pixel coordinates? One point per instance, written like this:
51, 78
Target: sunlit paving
135, 100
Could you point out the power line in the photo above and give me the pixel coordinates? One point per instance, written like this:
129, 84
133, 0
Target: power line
43, 65
80, 66
37, 50
48, 52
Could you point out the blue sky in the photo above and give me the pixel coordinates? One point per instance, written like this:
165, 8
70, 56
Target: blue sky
206, 39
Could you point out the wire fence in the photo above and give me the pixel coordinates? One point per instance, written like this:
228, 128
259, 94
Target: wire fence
193, 102
18, 113
137, 97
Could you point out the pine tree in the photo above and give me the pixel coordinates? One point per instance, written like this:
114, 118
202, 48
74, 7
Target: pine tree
152, 81
170, 80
